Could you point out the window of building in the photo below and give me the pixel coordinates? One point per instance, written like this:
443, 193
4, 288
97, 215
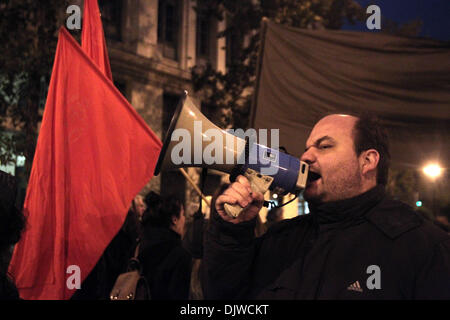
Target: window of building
111, 13
172, 182
203, 34
170, 103
169, 16
234, 46
122, 87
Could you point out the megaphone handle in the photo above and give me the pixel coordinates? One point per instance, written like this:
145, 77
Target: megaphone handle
258, 183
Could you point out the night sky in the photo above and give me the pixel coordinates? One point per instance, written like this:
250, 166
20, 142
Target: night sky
435, 15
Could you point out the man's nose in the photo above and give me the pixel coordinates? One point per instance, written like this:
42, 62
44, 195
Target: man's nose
308, 156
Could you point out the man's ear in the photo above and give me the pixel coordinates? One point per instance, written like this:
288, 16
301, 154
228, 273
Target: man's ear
368, 161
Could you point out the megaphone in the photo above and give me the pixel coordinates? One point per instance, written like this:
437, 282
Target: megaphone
194, 141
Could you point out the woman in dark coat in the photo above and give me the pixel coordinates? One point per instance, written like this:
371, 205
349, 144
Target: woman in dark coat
166, 264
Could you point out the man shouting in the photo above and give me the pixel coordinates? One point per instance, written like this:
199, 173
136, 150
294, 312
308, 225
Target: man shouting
356, 243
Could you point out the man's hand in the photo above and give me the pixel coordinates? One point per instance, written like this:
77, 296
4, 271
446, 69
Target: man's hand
241, 193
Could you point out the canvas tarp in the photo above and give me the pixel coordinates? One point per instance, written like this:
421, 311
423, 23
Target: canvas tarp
306, 74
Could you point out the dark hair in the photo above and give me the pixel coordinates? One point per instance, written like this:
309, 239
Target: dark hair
160, 210
368, 133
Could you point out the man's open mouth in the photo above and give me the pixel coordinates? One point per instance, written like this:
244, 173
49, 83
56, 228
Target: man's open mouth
313, 176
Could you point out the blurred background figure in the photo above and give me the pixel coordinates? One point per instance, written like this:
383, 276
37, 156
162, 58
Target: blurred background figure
443, 218
193, 242
139, 206
273, 216
440, 220
166, 263
114, 261
260, 227
12, 223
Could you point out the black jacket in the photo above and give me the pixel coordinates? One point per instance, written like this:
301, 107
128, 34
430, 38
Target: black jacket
114, 261
166, 264
332, 253
8, 290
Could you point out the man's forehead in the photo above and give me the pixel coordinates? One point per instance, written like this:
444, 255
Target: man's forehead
333, 126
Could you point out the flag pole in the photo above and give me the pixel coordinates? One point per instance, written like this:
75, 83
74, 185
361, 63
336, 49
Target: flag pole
188, 178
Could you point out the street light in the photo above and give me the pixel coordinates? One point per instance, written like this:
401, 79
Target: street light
432, 171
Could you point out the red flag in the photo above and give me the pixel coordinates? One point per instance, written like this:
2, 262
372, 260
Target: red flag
94, 154
92, 37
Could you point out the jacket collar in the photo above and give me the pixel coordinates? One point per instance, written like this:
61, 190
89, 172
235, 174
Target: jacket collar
348, 210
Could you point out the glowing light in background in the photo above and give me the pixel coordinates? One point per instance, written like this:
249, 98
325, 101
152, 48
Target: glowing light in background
432, 170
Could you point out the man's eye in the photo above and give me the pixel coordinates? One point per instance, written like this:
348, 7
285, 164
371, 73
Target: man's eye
325, 146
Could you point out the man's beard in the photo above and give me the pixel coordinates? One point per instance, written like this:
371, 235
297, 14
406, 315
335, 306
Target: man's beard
347, 184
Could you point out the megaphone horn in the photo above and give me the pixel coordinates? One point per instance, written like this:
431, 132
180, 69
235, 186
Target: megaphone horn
188, 142
194, 141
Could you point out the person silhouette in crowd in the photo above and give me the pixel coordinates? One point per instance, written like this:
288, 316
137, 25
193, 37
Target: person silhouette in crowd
114, 261
12, 223
166, 263
139, 206
273, 216
443, 218
438, 221
193, 242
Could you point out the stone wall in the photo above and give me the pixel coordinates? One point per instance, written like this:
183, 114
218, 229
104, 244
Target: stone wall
146, 75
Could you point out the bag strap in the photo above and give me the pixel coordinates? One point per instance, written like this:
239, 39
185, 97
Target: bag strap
134, 259
136, 251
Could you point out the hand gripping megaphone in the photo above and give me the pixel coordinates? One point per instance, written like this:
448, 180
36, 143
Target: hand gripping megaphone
194, 141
